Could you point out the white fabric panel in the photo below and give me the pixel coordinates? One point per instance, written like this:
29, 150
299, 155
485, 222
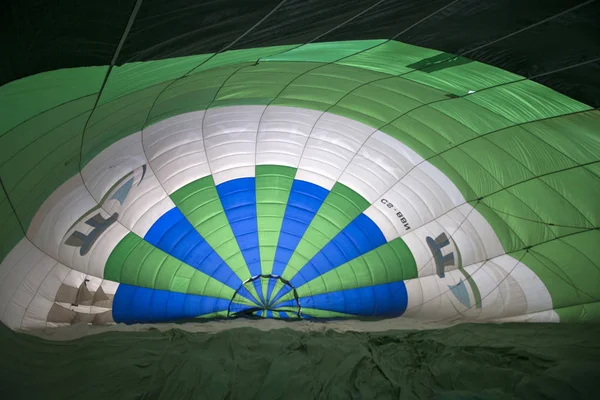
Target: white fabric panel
109, 287
28, 289
39, 306
93, 283
378, 165
175, 150
383, 221
418, 198
117, 162
31, 273
94, 261
331, 146
114, 162
35, 316
74, 278
469, 234
14, 269
60, 210
53, 224
537, 296
49, 287
417, 243
539, 317
230, 141
145, 203
507, 288
282, 135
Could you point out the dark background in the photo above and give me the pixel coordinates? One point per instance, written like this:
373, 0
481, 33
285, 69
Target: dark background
40, 36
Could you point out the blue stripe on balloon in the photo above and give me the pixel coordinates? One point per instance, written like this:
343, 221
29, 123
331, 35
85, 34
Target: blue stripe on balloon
269, 314
361, 236
133, 304
238, 198
303, 203
383, 300
173, 234
283, 314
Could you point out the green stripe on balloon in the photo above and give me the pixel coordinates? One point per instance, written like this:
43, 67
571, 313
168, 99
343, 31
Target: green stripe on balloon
273, 185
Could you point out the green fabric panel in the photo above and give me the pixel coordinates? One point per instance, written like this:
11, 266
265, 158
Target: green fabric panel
41, 153
449, 131
117, 119
136, 262
325, 86
508, 237
39, 127
374, 105
468, 167
323, 52
407, 88
196, 92
10, 231
537, 156
473, 116
390, 57
28, 97
391, 262
457, 75
200, 203
35, 172
273, 185
418, 144
580, 313
522, 221
557, 208
261, 83
568, 268
340, 207
133, 77
526, 101
500, 165
574, 135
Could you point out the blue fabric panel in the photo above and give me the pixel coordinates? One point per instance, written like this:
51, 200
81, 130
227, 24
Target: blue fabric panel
361, 236
283, 314
238, 198
384, 300
303, 203
269, 314
133, 304
173, 234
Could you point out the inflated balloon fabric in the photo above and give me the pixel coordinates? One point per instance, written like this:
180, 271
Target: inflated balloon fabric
367, 178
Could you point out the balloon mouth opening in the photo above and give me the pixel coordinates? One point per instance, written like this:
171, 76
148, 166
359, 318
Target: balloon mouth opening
264, 304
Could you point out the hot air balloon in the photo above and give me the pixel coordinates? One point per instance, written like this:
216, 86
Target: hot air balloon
324, 178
